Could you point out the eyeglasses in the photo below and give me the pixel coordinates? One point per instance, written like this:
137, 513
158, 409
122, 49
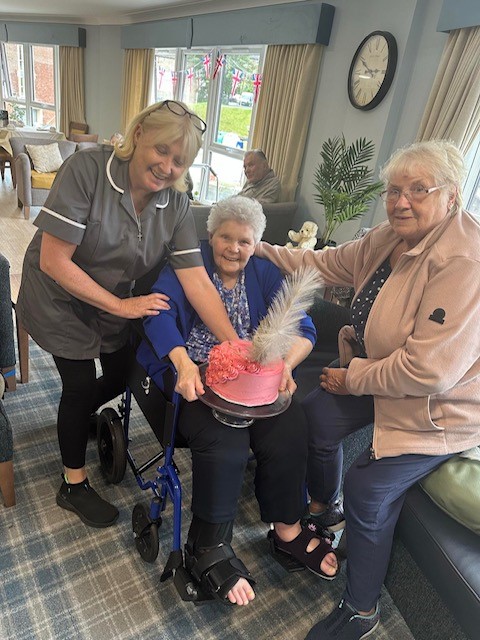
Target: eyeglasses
179, 110
414, 194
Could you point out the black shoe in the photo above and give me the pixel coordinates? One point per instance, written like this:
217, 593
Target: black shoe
345, 623
332, 519
87, 504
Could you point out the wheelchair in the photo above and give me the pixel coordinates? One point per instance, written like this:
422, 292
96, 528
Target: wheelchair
160, 407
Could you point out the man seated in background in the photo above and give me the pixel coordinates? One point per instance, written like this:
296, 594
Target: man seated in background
262, 183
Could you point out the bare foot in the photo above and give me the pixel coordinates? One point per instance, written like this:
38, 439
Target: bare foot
241, 593
287, 533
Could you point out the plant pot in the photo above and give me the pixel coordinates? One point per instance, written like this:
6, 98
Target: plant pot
328, 243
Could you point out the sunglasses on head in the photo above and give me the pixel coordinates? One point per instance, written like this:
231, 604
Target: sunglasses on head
179, 110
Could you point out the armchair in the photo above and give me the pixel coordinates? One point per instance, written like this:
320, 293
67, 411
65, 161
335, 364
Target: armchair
32, 186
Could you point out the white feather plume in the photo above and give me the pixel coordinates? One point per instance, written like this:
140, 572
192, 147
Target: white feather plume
276, 333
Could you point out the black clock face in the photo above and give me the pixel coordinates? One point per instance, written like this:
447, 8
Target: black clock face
372, 70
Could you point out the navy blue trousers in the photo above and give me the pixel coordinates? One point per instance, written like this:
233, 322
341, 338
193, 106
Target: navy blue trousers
373, 492
220, 455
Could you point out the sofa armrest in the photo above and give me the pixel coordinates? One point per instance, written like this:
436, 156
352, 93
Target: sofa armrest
23, 173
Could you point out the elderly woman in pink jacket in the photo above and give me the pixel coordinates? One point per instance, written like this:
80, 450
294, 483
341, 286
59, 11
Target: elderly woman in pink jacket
409, 363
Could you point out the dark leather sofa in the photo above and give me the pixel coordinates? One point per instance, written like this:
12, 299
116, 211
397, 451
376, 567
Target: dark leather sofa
434, 572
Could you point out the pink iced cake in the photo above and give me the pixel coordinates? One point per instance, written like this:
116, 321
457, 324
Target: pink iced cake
236, 378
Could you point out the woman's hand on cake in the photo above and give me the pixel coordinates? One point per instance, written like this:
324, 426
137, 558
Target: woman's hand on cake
189, 384
299, 350
287, 383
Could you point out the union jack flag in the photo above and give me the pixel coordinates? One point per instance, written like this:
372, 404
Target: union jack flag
190, 76
206, 64
219, 62
160, 74
174, 80
236, 79
257, 83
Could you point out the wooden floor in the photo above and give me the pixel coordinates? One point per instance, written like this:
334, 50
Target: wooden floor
15, 231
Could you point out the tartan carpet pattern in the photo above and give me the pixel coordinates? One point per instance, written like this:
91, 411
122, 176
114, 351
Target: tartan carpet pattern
61, 580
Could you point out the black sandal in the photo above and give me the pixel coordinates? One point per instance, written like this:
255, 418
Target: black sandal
297, 549
217, 570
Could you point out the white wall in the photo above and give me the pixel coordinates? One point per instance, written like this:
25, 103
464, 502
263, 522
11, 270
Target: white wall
396, 120
392, 124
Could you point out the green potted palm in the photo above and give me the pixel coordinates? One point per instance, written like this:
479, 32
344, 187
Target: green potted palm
344, 183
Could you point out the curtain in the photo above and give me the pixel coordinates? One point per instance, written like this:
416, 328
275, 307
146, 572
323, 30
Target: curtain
72, 87
137, 80
284, 109
453, 108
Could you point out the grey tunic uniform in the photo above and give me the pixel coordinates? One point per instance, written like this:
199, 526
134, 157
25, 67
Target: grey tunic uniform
90, 205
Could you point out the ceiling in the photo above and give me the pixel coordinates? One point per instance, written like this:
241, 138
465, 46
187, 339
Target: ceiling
105, 12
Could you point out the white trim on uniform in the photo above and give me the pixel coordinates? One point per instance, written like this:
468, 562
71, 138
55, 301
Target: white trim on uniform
109, 175
162, 206
120, 190
184, 251
64, 219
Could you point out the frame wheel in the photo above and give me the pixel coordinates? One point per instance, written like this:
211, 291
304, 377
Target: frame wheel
112, 448
145, 532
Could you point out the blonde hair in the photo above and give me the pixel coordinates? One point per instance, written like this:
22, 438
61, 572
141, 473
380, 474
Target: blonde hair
240, 209
441, 159
171, 128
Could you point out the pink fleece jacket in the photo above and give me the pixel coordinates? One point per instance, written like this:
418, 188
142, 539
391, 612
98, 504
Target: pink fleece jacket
422, 336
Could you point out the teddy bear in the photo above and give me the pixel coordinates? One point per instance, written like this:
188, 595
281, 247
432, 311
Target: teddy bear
306, 238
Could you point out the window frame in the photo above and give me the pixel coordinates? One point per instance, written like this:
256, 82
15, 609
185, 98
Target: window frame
472, 182
213, 113
29, 104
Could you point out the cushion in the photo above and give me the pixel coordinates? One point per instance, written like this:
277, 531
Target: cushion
45, 157
42, 180
84, 137
455, 488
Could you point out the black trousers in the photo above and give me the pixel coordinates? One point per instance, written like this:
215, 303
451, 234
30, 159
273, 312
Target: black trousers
82, 394
220, 455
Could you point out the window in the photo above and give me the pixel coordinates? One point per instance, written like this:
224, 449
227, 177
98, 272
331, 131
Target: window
472, 183
222, 87
29, 83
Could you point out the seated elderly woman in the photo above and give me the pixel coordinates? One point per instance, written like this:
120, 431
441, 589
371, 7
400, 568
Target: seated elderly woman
220, 453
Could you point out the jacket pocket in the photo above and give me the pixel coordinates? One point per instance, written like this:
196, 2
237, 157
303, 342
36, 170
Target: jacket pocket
406, 414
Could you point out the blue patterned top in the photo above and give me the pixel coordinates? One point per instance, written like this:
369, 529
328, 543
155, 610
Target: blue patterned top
362, 303
201, 339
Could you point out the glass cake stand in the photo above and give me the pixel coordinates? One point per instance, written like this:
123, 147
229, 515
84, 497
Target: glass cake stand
237, 415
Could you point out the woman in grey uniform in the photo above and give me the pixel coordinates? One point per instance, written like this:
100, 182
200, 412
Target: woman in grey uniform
108, 220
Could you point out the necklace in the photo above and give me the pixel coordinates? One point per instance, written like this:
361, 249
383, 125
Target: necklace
137, 219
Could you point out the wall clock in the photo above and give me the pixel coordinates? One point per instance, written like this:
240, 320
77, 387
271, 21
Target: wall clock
372, 70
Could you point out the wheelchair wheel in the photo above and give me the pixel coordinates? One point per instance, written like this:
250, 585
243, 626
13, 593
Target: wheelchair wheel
112, 449
145, 532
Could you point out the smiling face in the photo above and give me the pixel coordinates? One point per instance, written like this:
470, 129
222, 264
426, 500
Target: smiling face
412, 221
233, 244
154, 165
255, 167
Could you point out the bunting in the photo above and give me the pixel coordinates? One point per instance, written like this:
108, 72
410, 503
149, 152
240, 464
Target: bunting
237, 76
219, 62
257, 83
174, 80
190, 76
206, 65
160, 74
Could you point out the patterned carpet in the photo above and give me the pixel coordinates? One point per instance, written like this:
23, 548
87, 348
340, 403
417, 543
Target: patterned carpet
61, 580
